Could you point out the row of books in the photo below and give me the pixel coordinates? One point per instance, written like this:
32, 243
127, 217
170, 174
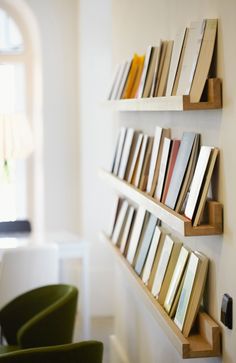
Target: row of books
176, 172
173, 273
174, 67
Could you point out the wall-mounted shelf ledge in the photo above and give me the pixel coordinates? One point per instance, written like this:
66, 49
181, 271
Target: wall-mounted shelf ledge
172, 103
176, 221
204, 343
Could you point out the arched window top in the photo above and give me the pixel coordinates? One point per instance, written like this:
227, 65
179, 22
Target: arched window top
11, 40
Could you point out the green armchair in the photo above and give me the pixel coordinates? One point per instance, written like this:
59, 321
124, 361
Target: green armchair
84, 352
38, 318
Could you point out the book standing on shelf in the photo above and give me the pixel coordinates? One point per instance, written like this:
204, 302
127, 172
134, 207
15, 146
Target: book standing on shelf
145, 243
134, 158
201, 167
150, 73
125, 152
163, 167
136, 178
176, 278
119, 149
191, 54
151, 255
124, 239
120, 222
136, 233
180, 167
204, 60
162, 265
165, 70
175, 58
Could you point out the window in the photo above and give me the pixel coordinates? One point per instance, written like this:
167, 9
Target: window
13, 170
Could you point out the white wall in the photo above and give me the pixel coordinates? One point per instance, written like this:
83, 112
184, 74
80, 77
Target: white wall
136, 24
57, 22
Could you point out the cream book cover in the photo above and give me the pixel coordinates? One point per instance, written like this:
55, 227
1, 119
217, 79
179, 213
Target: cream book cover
176, 278
191, 54
162, 266
186, 291
138, 170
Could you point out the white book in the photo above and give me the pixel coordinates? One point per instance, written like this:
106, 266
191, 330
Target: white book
175, 57
123, 79
119, 150
127, 227
141, 160
163, 167
136, 232
151, 255
116, 203
114, 80
191, 54
135, 157
195, 188
119, 222
154, 156
126, 152
117, 81
186, 291
144, 72
176, 278
162, 265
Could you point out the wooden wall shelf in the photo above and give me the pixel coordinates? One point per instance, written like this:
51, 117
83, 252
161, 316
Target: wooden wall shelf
172, 103
204, 343
174, 220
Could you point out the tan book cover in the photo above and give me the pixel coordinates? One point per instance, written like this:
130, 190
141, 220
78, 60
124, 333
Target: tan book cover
169, 272
160, 66
165, 70
150, 73
156, 67
136, 152
204, 60
206, 184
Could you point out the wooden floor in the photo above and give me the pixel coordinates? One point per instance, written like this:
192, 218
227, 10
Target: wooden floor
101, 329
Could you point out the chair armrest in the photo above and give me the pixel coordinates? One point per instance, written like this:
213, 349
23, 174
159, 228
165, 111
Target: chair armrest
52, 326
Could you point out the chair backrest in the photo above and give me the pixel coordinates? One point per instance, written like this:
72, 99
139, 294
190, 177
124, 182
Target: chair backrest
89, 352
41, 317
25, 268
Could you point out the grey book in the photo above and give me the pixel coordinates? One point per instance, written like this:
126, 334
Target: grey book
181, 164
145, 243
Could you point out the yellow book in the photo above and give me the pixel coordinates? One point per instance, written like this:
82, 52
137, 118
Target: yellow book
131, 77
138, 76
